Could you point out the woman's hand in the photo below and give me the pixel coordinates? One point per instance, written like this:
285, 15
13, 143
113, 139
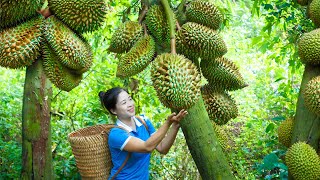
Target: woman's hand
176, 118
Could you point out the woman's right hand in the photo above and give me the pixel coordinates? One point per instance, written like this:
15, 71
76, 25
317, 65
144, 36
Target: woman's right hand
176, 118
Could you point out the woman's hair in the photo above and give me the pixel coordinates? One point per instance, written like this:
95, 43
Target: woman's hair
110, 97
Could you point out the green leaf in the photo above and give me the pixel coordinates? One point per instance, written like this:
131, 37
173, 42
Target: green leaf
270, 127
268, 6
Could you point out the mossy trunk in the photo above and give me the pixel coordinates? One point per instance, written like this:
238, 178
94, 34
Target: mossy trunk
306, 124
36, 130
203, 144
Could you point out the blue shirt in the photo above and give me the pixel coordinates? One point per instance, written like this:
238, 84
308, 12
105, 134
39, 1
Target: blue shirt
137, 167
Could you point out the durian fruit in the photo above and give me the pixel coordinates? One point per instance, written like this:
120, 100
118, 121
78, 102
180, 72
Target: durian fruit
125, 37
314, 12
20, 45
285, 132
220, 106
61, 76
312, 95
176, 81
303, 162
198, 41
222, 73
79, 15
222, 136
309, 47
138, 58
73, 51
157, 24
302, 2
204, 13
13, 12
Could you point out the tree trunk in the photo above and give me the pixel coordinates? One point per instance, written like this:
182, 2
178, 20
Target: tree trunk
36, 130
203, 144
306, 124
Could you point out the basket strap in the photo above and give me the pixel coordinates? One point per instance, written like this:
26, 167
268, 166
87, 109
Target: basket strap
123, 164
144, 123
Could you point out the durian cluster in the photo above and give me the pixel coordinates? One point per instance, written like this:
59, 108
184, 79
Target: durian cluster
302, 159
175, 78
309, 52
27, 36
199, 40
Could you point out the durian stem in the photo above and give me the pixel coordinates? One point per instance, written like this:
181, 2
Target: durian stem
171, 23
143, 13
45, 11
145, 29
178, 25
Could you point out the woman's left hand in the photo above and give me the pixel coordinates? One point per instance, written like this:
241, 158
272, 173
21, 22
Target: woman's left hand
176, 118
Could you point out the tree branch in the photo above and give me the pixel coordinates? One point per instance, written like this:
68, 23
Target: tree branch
143, 13
171, 24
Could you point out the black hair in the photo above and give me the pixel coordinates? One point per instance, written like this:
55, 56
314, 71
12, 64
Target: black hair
110, 97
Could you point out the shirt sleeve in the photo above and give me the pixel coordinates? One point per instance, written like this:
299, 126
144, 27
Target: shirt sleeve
149, 124
118, 138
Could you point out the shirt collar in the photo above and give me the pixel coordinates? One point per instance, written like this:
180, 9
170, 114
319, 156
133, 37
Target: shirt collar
137, 122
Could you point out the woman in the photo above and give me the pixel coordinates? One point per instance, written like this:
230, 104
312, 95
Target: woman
141, 139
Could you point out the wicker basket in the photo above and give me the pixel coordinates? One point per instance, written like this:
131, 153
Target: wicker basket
90, 149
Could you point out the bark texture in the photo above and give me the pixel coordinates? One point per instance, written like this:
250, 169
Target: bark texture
203, 144
36, 130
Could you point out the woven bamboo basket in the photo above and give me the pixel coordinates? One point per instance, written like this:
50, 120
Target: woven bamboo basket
90, 149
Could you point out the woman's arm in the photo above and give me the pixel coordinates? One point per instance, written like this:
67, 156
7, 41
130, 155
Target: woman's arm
167, 142
137, 145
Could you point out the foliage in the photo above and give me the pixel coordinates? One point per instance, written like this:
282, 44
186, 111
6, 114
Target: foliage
10, 125
273, 167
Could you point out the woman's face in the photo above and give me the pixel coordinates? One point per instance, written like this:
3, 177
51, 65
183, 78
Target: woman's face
125, 106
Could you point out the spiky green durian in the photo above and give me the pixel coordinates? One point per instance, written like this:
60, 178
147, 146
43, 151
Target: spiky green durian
197, 41
138, 58
285, 132
219, 104
176, 80
61, 76
72, 50
222, 73
20, 45
125, 37
312, 95
314, 12
303, 162
13, 12
309, 47
157, 24
204, 13
80, 15
222, 136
